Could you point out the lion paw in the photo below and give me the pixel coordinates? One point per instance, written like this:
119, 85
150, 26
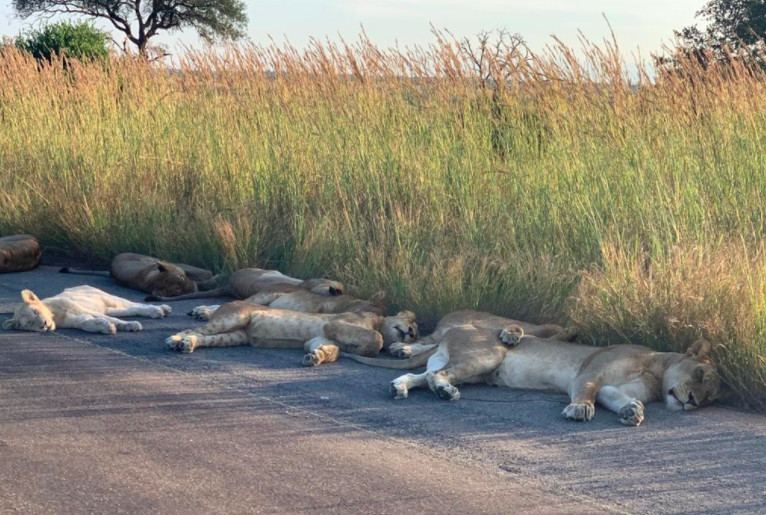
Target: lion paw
401, 351
511, 335
106, 327
311, 359
398, 390
184, 343
447, 392
581, 412
131, 327
632, 414
203, 313
161, 311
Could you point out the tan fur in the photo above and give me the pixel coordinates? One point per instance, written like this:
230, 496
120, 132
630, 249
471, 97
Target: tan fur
82, 307
305, 301
19, 253
248, 282
152, 275
481, 320
240, 323
621, 378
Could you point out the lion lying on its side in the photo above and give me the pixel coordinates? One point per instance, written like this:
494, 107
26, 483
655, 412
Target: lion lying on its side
323, 336
151, 275
304, 301
19, 253
247, 282
621, 377
82, 307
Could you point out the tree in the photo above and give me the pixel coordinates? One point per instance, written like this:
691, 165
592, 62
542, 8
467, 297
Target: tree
734, 27
141, 20
78, 40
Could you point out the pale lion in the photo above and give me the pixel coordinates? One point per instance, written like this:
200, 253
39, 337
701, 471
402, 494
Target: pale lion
151, 275
621, 378
82, 307
323, 336
247, 282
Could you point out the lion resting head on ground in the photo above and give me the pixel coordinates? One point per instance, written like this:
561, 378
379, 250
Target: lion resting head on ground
82, 307
621, 378
152, 275
323, 336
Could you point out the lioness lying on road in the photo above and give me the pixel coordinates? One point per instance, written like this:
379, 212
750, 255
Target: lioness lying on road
305, 301
19, 253
82, 307
323, 336
247, 282
482, 320
621, 377
151, 275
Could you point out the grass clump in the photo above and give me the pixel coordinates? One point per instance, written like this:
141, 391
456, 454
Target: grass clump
557, 190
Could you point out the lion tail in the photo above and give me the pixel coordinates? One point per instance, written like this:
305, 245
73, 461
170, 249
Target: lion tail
218, 292
80, 271
416, 361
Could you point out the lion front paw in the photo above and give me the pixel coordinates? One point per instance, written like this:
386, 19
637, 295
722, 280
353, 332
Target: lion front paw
632, 414
106, 327
312, 359
131, 327
581, 412
184, 343
400, 350
511, 335
161, 311
202, 313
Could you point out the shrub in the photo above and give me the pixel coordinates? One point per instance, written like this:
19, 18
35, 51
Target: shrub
74, 40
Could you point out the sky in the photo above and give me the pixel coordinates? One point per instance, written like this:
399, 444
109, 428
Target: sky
638, 24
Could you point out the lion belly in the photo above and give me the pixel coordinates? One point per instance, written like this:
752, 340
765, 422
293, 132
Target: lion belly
539, 365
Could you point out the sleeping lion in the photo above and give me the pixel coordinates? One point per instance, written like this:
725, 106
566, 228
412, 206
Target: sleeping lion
323, 336
621, 378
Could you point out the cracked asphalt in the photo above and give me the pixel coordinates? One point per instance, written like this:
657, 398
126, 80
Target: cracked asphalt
118, 424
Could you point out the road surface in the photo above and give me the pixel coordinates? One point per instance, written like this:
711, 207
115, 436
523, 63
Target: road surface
119, 424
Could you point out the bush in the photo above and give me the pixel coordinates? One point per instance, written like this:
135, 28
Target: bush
75, 40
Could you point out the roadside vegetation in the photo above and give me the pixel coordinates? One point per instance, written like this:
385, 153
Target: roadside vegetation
563, 187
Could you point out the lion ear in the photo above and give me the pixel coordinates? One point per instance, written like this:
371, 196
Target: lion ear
408, 315
8, 323
378, 298
700, 349
335, 291
28, 297
162, 267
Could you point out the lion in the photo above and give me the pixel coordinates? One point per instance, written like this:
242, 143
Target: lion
483, 320
322, 335
247, 282
152, 275
83, 307
19, 253
621, 378
304, 301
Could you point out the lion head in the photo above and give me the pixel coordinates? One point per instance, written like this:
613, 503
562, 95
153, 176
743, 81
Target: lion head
399, 328
32, 315
693, 381
171, 281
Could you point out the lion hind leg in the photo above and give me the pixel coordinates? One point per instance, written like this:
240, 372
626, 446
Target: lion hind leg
320, 350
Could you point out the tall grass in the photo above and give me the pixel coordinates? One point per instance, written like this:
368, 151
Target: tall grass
555, 191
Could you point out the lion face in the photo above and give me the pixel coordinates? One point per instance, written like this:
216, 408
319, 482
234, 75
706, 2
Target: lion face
399, 328
32, 315
171, 281
693, 381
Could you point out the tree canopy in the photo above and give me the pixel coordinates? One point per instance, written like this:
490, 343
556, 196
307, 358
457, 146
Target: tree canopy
78, 40
141, 20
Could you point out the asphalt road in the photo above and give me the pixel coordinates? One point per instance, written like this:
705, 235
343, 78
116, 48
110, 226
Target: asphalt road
118, 424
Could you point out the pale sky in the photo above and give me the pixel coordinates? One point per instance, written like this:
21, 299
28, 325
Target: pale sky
644, 24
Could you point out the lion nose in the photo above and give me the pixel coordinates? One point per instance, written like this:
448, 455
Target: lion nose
672, 392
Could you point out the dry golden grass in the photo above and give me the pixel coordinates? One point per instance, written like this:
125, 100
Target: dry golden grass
557, 192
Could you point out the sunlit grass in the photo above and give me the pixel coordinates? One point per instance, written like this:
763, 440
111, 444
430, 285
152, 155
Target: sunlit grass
636, 213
